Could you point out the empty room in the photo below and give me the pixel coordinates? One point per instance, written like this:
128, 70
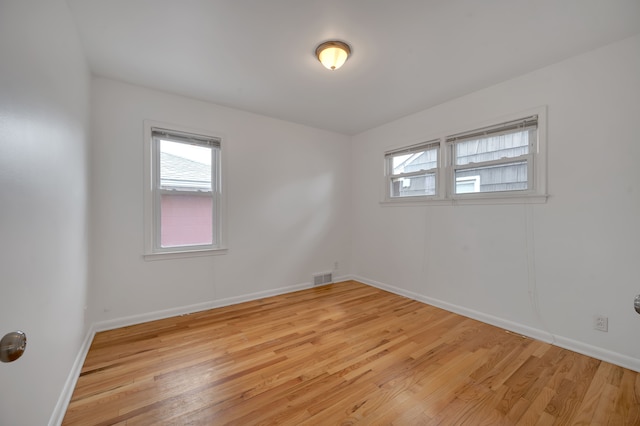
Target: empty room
319, 212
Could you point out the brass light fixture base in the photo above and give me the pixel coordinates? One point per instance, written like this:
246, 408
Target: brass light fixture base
333, 54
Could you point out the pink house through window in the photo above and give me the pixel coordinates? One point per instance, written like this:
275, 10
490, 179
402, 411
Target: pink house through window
186, 203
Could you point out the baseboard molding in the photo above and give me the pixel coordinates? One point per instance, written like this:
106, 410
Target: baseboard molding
469, 313
198, 307
70, 384
598, 353
566, 343
189, 309
563, 342
341, 278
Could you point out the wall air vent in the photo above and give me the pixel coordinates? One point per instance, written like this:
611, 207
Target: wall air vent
322, 279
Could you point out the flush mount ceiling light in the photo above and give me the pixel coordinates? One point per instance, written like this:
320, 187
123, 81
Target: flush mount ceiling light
333, 54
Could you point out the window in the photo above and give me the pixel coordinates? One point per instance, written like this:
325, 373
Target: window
412, 171
501, 162
183, 197
497, 158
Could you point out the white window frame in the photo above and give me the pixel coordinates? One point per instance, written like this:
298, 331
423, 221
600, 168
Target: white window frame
390, 176
153, 191
445, 178
508, 127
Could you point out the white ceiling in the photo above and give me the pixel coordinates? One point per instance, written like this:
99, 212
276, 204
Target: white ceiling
408, 55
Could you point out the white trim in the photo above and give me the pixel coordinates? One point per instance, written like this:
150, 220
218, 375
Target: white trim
158, 192
150, 252
528, 158
189, 138
60, 409
415, 148
599, 353
198, 307
479, 199
536, 333
470, 313
445, 173
183, 254
563, 342
501, 128
389, 176
67, 391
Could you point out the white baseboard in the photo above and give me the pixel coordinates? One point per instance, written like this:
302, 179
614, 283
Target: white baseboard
470, 313
563, 342
70, 384
599, 353
573, 345
189, 309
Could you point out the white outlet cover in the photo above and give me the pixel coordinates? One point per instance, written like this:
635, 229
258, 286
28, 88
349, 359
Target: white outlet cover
601, 323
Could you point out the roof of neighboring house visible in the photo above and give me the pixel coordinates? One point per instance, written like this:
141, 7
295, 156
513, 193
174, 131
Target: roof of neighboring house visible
179, 172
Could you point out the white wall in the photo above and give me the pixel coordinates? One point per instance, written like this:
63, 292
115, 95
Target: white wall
288, 204
578, 252
44, 102
294, 207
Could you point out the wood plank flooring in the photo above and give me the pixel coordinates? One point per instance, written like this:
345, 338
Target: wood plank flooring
342, 354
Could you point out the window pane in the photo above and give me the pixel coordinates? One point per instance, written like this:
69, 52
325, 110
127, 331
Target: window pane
185, 166
186, 219
503, 177
414, 186
186, 213
407, 163
492, 148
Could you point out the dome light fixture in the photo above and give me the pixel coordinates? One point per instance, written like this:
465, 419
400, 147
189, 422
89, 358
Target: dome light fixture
333, 54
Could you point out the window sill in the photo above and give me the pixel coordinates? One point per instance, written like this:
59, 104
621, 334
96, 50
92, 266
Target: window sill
183, 254
477, 200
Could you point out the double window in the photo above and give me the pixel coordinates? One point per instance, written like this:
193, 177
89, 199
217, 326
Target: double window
183, 197
505, 160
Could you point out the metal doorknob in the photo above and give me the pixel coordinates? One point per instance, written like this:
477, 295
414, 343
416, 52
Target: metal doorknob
12, 346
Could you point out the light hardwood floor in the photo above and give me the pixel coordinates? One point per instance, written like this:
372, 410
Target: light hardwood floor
342, 354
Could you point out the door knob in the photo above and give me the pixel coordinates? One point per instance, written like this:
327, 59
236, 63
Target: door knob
12, 346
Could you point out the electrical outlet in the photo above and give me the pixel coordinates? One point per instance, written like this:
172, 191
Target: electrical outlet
336, 265
600, 322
